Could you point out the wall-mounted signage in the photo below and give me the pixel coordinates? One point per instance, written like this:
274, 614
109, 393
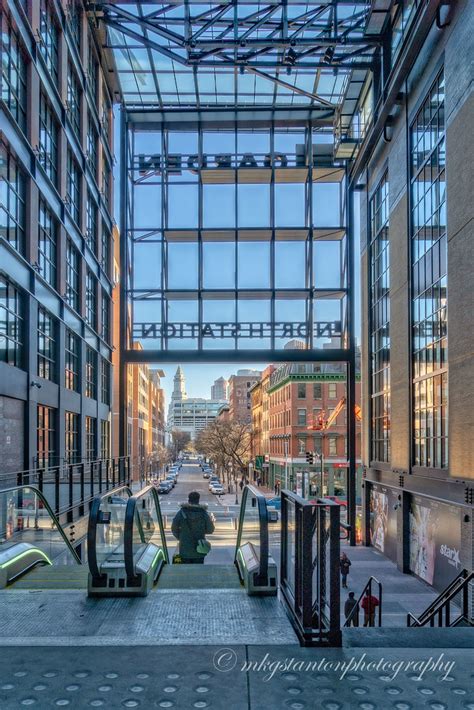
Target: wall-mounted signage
383, 520
435, 541
322, 329
175, 163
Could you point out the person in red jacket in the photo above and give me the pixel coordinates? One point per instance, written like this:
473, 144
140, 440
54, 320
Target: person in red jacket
369, 604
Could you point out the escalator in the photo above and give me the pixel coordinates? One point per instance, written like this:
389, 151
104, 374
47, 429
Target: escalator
34, 550
128, 551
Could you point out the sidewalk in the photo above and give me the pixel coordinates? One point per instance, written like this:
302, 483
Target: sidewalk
228, 499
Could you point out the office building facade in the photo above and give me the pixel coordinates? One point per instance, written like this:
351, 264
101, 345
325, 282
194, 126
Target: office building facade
56, 165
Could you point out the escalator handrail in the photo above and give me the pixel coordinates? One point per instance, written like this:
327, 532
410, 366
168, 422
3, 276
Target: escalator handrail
263, 519
51, 513
92, 529
129, 525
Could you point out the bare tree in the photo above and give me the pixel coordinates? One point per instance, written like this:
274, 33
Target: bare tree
227, 443
179, 441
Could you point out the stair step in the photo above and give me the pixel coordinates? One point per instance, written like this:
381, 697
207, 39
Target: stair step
54, 577
199, 577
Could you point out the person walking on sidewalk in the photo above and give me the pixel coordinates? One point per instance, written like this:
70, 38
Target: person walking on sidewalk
369, 604
344, 564
351, 610
190, 526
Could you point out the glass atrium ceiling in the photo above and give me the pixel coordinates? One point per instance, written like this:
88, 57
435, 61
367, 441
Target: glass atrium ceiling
279, 54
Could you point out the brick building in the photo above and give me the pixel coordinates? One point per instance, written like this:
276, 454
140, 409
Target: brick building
239, 394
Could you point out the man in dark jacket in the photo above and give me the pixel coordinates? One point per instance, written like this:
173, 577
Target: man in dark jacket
191, 524
351, 609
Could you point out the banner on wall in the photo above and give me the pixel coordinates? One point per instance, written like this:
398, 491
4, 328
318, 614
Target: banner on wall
383, 520
435, 541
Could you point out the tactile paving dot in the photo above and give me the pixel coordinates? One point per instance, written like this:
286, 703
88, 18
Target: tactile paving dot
165, 703
325, 691
7, 686
63, 701
403, 706
332, 705
20, 674
296, 705
81, 674
437, 706
385, 678
130, 703
458, 691
49, 674
72, 687
142, 676
203, 676
200, 704
426, 691
367, 706
353, 677
359, 691
96, 703
393, 691
39, 686
111, 676
469, 706
289, 676
137, 688
293, 691
28, 701
104, 688
170, 689
173, 676
202, 689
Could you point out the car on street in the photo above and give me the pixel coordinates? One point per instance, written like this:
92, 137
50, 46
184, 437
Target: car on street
171, 480
274, 502
164, 487
273, 506
206, 474
217, 489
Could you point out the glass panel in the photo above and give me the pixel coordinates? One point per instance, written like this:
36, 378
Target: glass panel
147, 206
327, 264
182, 206
25, 518
250, 527
290, 205
148, 524
327, 204
218, 264
290, 264
109, 536
254, 205
147, 265
253, 265
182, 265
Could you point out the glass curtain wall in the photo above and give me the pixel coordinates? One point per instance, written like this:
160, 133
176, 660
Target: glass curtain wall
237, 239
429, 281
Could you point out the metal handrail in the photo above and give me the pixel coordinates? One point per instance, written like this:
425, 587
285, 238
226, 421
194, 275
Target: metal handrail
460, 584
368, 587
129, 528
262, 577
51, 513
92, 528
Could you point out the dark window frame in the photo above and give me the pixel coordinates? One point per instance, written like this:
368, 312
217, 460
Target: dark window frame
47, 243
11, 323
46, 342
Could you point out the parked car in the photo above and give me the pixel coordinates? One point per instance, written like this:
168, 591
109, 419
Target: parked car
274, 502
164, 487
171, 479
217, 489
206, 474
214, 483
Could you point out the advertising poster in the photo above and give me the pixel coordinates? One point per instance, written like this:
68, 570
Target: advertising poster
383, 520
435, 541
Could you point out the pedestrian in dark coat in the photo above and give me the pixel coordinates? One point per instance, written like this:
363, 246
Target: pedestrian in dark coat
344, 564
191, 524
351, 610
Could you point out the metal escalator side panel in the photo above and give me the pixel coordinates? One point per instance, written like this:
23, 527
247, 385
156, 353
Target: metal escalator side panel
259, 532
19, 559
142, 518
102, 514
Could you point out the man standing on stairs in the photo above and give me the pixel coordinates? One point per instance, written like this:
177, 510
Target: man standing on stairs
190, 526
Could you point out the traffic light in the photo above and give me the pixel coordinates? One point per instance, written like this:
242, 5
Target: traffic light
310, 457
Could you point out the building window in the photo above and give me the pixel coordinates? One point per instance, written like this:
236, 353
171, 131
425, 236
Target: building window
91, 300
72, 444
47, 238
105, 382
49, 40
14, 75
380, 322
105, 325
106, 182
12, 201
91, 373
92, 71
92, 146
332, 446
11, 324
74, 100
106, 117
104, 439
72, 361
74, 17
105, 249
46, 345
45, 437
317, 390
73, 188
48, 140
91, 438
429, 281
332, 390
301, 417
91, 226
72, 276
301, 390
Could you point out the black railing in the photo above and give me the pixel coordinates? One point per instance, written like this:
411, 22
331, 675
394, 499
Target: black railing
253, 528
451, 607
106, 527
310, 576
71, 487
373, 611
143, 525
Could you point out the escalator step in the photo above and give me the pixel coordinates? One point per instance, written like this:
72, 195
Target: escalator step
199, 577
53, 578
